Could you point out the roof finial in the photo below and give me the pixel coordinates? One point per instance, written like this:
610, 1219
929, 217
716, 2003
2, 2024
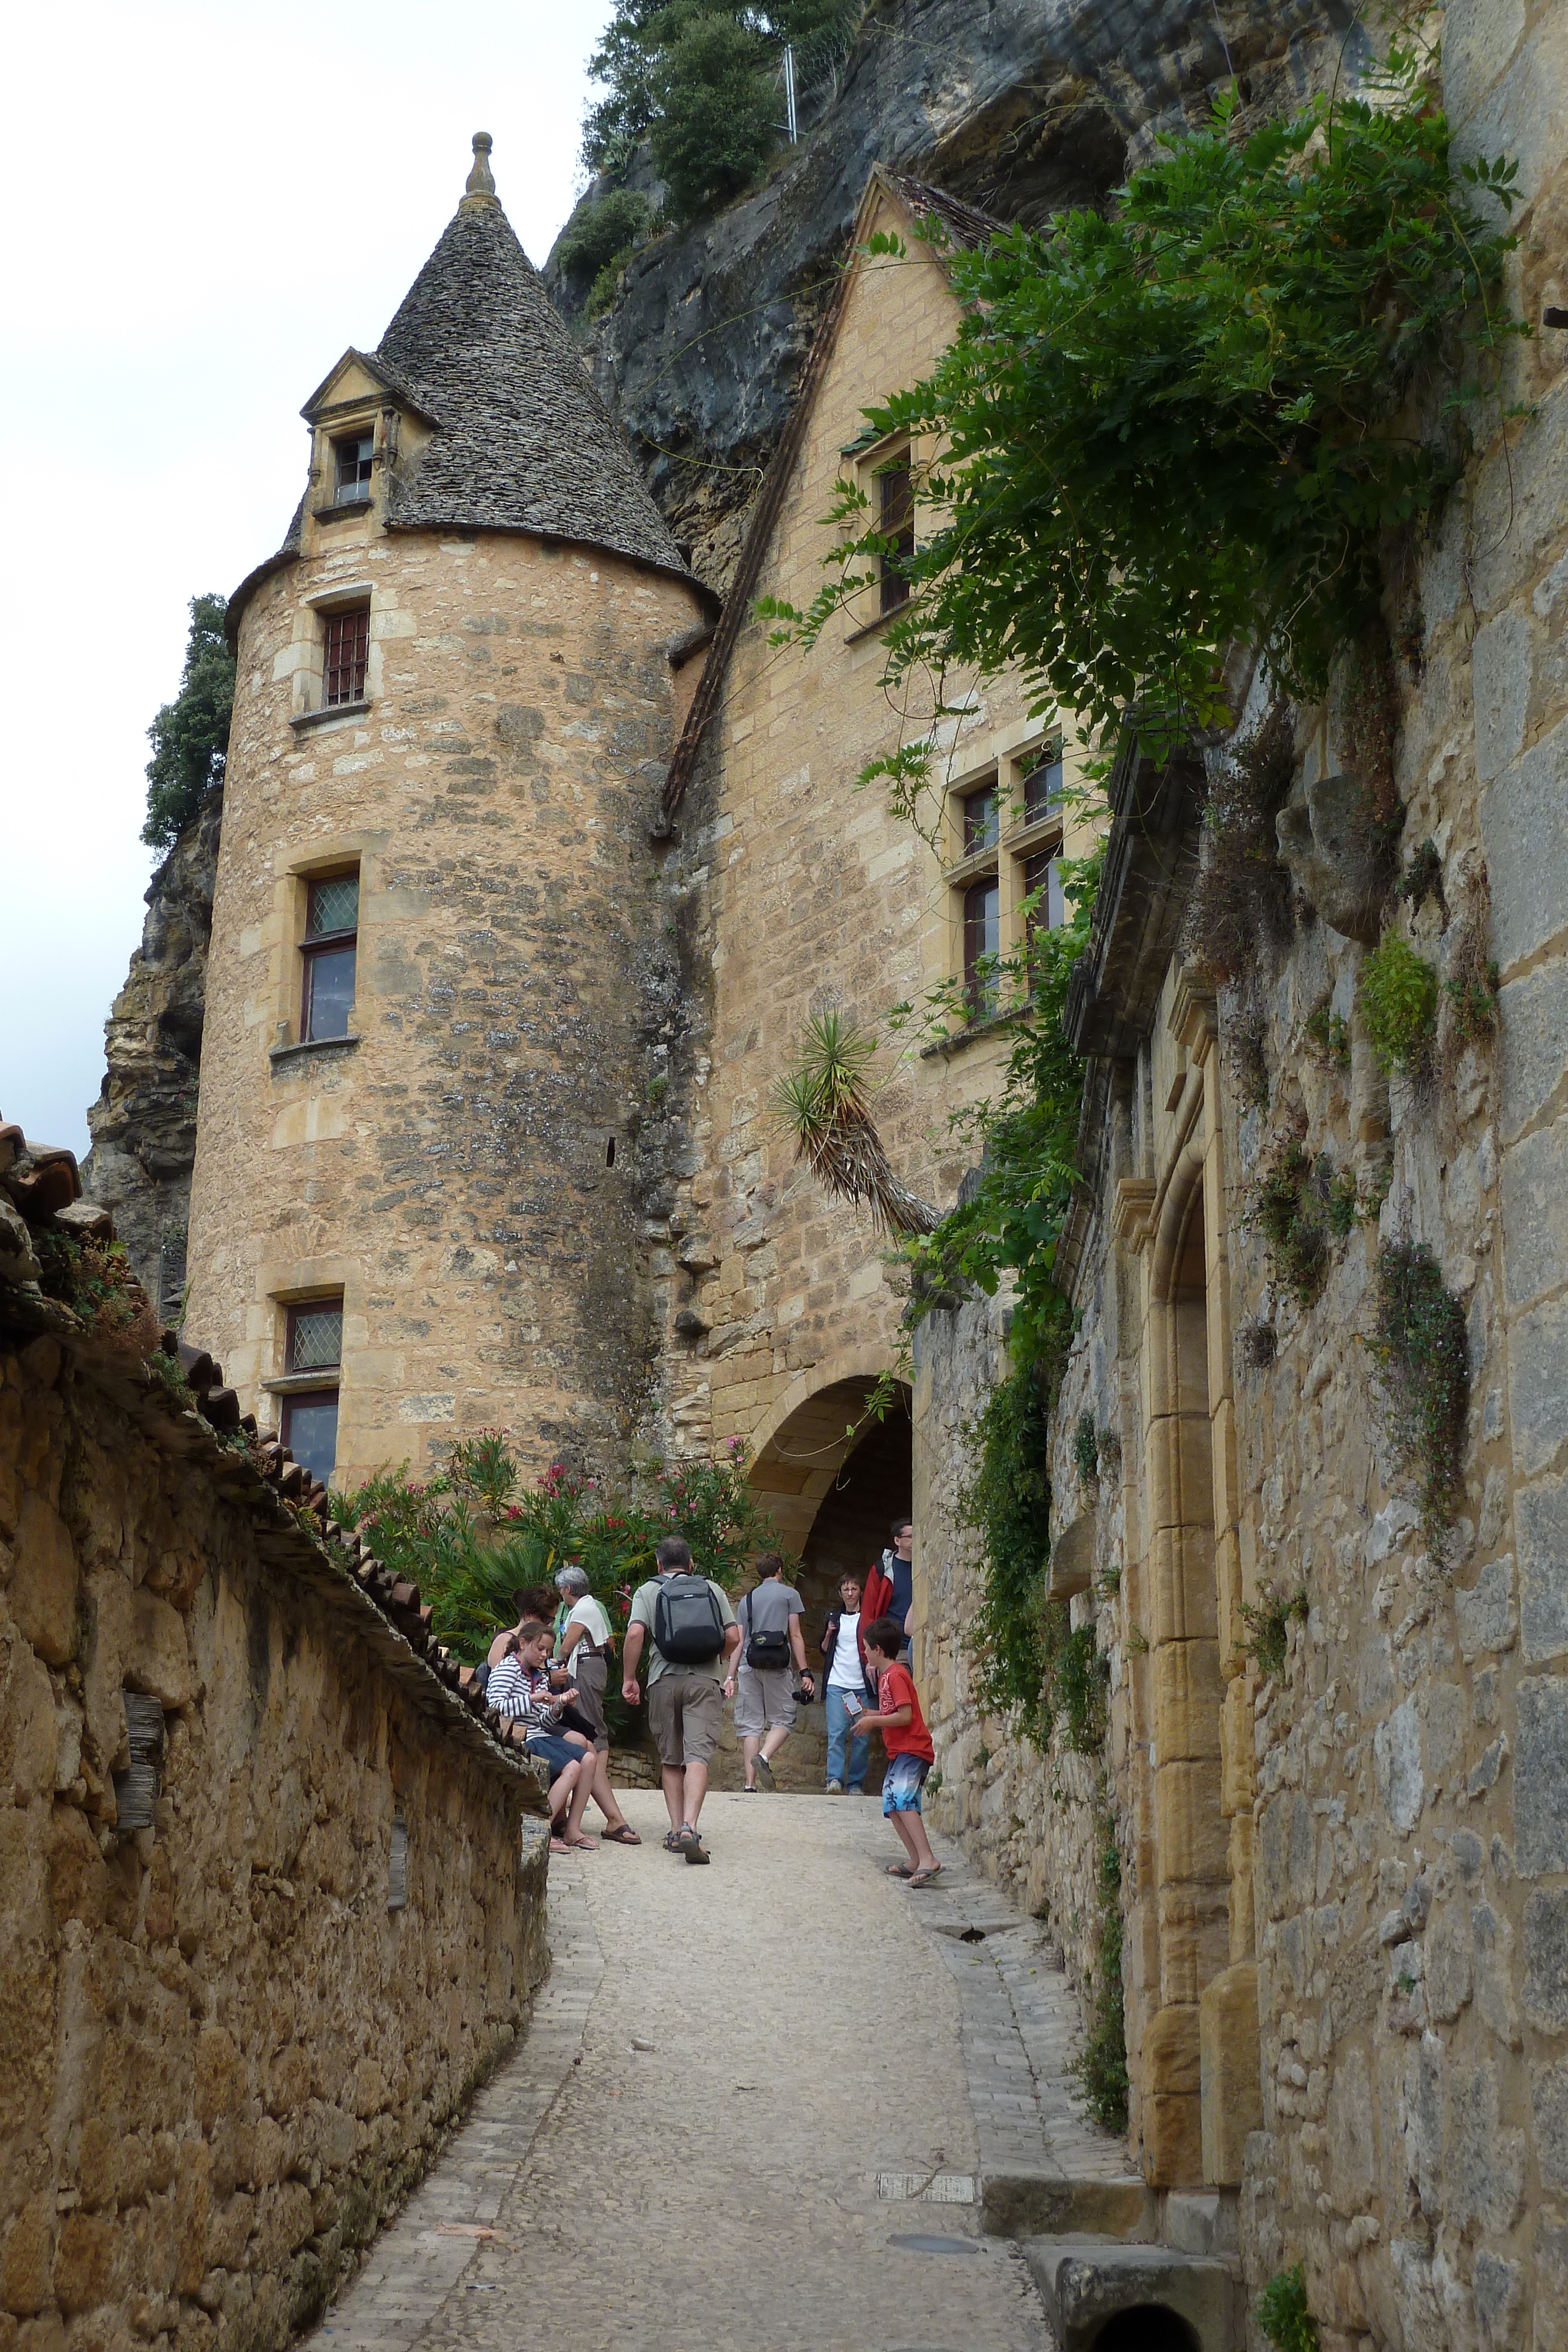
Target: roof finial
481, 181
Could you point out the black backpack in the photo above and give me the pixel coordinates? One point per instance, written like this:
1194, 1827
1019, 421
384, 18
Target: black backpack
765, 1652
688, 1623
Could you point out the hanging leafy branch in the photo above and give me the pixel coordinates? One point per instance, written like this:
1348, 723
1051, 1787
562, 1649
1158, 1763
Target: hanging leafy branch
1191, 422
189, 736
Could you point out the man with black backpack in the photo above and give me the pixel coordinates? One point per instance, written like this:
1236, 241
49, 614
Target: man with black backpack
691, 1626
760, 1682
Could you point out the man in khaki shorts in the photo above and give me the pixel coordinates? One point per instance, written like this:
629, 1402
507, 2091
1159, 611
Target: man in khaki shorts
685, 1704
760, 1683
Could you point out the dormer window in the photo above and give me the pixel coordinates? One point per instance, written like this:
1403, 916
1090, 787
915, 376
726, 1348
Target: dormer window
895, 521
352, 462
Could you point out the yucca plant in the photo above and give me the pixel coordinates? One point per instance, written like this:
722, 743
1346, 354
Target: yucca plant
823, 1102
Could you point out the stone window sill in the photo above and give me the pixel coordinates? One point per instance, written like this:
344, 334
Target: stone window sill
307, 720
284, 1056
335, 509
976, 1030
325, 1376
882, 621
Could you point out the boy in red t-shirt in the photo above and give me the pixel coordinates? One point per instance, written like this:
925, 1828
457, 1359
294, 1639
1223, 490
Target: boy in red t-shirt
909, 1749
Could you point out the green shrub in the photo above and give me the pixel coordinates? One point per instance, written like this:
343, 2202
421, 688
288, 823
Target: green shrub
602, 233
717, 110
1290, 1212
1283, 2313
1101, 2068
1328, 1034
1007, 1500
1080, 1687
1423, 879
1268, 1623
189, 736
1397, 996
1184, 421
1422, 1354
1086, 1449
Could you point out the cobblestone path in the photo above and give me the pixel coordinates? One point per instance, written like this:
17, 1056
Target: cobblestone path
683, 2154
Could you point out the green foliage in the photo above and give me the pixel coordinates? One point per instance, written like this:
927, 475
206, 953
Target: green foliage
1007, 1500
1249, 1059
1086, 1448
1397, 995
473, 1535
1080, 1687
1328, 1034
1240, 905
189, 736
1419, 1345
1343, 1205
601, 232
1290, 1210
1027, 1136
1101, 2066
1187, 422
700, 79
1283, 2313
1268, 1622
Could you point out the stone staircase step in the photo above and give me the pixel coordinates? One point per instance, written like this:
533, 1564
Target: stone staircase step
1048, 2204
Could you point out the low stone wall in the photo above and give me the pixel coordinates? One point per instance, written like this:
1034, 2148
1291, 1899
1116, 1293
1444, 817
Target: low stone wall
231, 2039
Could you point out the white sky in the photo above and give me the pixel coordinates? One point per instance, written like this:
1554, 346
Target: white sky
204, 204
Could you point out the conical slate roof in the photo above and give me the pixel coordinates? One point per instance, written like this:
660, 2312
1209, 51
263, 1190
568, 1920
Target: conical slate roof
523, 440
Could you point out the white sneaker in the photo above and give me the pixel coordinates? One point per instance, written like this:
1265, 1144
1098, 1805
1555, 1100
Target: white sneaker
835, 1788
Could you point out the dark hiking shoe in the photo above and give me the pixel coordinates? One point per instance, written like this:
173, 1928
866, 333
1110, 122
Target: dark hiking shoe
691, 1845
765, 1773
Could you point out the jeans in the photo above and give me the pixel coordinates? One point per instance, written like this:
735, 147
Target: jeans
837, 1727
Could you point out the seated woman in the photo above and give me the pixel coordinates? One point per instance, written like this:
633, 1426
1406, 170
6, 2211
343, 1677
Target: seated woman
520, 1687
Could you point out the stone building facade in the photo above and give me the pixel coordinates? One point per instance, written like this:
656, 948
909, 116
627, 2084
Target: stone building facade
1344, 1862
267, 1912
458, 685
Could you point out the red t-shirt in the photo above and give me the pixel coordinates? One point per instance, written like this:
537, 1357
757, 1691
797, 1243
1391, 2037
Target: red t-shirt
895, 1688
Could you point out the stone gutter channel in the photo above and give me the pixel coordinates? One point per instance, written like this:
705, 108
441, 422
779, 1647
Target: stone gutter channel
1088, 2225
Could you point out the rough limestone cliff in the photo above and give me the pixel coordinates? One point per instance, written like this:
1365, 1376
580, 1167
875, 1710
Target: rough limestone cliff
1022, 106
144, 1121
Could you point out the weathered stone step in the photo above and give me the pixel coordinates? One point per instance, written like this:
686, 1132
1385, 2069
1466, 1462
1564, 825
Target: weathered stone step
1085, 2281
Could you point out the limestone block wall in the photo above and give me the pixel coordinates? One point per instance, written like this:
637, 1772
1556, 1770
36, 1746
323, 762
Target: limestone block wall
794, 892
1025, 1816
230, 2038
465, 1171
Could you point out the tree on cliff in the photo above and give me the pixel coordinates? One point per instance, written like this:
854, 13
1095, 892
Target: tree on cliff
189, 736
699, 79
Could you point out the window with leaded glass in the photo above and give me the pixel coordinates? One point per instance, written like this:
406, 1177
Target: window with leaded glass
352, 463
1042, 786
1042, 885
895, 521
981, 819
982, 942
315, 1345
346, 656
330, 948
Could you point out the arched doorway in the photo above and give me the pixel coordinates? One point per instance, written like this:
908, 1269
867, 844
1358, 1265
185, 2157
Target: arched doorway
833, 1477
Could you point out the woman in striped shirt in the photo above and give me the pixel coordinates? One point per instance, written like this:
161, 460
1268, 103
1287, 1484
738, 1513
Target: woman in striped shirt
519, 1688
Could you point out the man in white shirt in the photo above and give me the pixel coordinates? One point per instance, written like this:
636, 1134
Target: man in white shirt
846, 1692
584, 1646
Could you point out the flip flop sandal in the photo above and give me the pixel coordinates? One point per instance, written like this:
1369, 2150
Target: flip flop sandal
923, 1877
899, 1870
622, 1834
583, 1845
558, 1845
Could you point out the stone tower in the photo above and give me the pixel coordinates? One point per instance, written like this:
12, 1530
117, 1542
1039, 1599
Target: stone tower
412, 1212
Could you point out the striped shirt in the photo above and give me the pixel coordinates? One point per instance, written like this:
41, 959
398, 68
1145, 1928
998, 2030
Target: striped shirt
525, 1697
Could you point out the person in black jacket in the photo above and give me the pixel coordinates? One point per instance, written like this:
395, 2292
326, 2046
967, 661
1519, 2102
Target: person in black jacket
843, 1665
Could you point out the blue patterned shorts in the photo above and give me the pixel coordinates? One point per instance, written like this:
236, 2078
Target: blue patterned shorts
902, 1784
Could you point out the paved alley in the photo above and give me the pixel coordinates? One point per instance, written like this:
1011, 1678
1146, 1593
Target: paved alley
744, 2090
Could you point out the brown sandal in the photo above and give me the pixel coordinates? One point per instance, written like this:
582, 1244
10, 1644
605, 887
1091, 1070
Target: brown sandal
899, 1870
623, 1833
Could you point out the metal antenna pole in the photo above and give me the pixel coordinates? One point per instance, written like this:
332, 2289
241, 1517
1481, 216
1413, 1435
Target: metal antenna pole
791, 123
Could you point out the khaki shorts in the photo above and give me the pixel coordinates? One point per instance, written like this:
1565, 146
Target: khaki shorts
684, 1712
764, 1700
588, 1673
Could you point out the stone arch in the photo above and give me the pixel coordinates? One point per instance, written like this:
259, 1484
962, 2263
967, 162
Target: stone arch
1191, 1871
830, 1491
